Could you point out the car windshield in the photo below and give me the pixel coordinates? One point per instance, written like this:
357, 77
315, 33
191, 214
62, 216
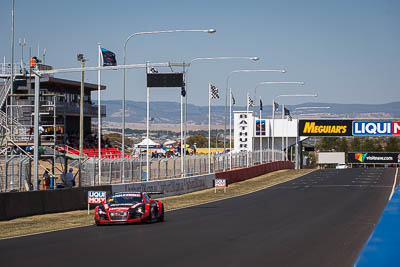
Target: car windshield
125, 199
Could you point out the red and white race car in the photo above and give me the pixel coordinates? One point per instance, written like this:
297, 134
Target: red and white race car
129, 207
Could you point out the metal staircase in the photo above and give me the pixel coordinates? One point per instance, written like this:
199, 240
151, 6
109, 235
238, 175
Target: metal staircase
4, 92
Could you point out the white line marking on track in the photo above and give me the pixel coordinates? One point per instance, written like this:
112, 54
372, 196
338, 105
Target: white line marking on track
394, 184
82, 226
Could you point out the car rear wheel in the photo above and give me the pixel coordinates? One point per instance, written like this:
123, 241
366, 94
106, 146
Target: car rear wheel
162, 214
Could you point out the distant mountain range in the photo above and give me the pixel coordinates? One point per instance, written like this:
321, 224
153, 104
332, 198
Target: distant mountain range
169, 112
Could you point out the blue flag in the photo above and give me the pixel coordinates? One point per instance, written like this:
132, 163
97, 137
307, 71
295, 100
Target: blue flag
108, 58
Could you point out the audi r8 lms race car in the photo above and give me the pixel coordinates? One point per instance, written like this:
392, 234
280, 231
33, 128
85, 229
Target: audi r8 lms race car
129, 207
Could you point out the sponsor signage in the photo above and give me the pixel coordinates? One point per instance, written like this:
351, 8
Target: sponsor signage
165, 80
97, 197
374, 128
325, 128
373, 157
220, 182
260, 127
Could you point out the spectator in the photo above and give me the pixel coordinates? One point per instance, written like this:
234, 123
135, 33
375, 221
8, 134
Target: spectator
194, 147
68, 179
46, 179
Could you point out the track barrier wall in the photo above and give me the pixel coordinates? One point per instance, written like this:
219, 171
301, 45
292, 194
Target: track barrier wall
242, 174
21, 204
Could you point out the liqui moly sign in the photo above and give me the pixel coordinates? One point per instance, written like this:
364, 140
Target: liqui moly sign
373, 128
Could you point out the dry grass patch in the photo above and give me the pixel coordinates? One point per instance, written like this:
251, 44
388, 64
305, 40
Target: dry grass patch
57, 221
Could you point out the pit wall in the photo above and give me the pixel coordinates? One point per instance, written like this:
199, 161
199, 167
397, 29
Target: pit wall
237, 175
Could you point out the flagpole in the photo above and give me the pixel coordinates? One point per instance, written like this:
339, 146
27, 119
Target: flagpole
209, 127
273, 130
261, 155
230, 129
98, 110
147, 129
283, 139
287, 138
247, 119
182, 147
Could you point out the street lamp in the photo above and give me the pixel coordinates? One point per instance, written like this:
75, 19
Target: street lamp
82, 59
124, 89
273, 118
255, 95
186, 75
226, 94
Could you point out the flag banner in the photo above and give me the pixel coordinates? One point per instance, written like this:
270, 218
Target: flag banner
213, 92
287, 112
183, 91
250, 102
108, 58
261, 107
276, 106
233, 101
260, 127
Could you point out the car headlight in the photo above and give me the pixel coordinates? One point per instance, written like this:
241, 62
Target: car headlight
101, 212
140, 210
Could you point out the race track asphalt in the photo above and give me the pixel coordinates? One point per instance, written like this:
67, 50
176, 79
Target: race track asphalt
321, 219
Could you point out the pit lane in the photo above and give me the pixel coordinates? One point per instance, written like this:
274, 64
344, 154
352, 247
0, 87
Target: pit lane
320, 219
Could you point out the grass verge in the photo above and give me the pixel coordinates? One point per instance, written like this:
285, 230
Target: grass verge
58, 221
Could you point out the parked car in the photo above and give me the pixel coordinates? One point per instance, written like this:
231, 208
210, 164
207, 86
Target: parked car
341, 166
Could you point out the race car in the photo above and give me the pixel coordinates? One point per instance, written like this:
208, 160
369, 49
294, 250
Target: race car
129, 207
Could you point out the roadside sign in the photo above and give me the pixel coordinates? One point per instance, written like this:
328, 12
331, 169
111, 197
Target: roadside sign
97, 197
220, 183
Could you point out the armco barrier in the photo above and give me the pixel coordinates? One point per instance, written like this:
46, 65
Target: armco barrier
169, 187
21, 204
242, 174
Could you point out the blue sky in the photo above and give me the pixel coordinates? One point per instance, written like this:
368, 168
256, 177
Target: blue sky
346, 51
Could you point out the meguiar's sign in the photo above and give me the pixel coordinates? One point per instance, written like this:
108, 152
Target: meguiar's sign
325, 128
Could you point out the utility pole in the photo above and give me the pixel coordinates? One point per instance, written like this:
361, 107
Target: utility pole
82, 59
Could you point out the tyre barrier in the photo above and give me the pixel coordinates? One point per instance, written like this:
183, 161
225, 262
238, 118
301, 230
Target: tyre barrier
238, 175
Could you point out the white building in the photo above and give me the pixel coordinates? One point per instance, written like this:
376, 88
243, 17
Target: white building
247, 136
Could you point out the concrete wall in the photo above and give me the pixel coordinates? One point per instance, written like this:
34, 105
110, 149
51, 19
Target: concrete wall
22, 204
169, 187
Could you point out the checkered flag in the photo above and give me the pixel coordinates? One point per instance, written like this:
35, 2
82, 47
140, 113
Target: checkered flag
214, 92
250, 102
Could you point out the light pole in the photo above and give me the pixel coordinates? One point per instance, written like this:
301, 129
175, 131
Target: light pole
124, 85
22, 44
273, 118
82, 59
255, 95
226, 94
186, 81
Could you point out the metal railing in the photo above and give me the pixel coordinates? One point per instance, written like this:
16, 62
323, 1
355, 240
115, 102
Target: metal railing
15, 170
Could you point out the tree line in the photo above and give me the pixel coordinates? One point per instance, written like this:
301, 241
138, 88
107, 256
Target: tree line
358, 144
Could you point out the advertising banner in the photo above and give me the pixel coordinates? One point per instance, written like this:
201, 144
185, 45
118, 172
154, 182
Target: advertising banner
325, 127
376, 128
260, 127
97, 197
374, 157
